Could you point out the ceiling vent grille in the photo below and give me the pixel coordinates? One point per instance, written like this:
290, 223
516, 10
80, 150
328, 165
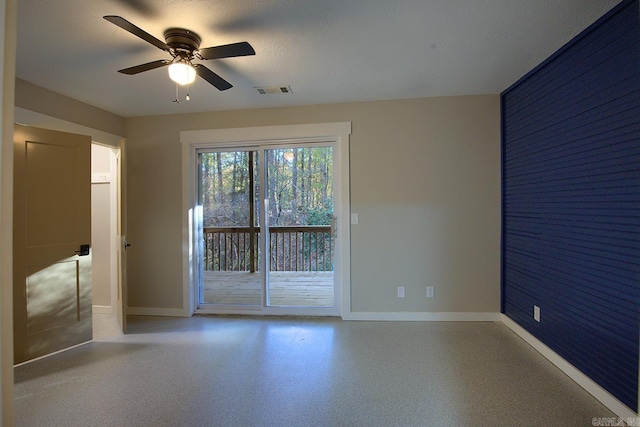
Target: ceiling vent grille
266, 90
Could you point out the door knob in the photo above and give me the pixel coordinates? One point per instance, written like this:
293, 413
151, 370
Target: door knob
84, 250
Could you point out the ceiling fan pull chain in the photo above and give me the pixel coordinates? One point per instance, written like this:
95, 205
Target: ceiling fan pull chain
177, 100
187, 97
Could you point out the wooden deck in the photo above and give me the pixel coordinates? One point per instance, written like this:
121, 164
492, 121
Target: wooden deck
286, 288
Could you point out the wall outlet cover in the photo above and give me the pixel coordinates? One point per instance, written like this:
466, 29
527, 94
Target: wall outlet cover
430, 292
536, 313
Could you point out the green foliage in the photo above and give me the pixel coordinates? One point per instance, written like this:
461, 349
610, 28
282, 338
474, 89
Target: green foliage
299, 187
321, 215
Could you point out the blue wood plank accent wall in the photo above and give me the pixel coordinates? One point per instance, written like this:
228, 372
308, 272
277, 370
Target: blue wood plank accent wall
571, 202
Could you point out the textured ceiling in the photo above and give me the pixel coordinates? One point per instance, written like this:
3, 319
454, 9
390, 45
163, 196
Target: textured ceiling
328, 51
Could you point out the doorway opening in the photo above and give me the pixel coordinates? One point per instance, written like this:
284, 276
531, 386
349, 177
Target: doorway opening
291, 265
267, 219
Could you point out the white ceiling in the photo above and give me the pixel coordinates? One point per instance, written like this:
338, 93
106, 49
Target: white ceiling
328, 51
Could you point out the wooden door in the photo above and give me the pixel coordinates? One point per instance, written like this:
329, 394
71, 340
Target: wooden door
52, 220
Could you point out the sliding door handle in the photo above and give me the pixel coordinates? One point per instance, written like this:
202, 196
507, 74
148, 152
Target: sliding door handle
334, 226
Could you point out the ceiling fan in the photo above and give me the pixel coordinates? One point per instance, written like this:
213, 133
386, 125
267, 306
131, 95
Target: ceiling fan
184, 46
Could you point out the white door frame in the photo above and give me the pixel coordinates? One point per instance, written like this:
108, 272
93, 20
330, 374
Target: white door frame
337, 134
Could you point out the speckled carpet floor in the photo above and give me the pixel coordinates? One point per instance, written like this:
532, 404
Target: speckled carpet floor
239, 371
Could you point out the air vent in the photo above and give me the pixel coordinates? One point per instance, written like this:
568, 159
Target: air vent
264, 90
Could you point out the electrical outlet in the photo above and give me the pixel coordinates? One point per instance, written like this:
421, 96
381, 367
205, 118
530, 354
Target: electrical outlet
430, 292
354, 218
400, 291
536, 313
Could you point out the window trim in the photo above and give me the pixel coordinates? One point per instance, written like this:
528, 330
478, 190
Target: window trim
337, 133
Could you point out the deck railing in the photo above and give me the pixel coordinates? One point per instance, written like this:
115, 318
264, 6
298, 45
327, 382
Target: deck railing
298, 248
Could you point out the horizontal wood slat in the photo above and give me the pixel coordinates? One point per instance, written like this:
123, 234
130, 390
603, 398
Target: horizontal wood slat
292, 289
571, 202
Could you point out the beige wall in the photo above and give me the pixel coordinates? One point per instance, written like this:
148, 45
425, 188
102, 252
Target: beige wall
41, 100
425, 181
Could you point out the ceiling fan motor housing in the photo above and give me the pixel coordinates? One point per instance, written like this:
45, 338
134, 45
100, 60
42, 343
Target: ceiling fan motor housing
182, 41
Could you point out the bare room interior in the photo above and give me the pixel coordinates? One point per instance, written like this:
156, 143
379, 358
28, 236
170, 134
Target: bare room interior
320, 213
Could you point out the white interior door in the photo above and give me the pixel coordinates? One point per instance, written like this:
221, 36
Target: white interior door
121, 256
52, 235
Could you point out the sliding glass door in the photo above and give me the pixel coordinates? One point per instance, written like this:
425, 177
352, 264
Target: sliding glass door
272, 245
299, 218
228, 183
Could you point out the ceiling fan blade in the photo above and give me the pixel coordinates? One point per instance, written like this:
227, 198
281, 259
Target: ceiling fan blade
227, 51
212, 77
145, 67
136, 31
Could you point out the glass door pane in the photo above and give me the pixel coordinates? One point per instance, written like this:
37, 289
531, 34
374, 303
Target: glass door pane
228, 190
299, 209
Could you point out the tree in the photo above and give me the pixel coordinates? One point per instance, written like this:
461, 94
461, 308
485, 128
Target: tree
299, 189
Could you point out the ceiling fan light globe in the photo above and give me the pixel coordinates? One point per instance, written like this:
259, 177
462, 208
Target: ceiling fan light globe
181, 73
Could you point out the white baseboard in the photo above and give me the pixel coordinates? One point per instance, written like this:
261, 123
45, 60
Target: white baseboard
371, 316
422, 316
152, 311
606, 398
102, 309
